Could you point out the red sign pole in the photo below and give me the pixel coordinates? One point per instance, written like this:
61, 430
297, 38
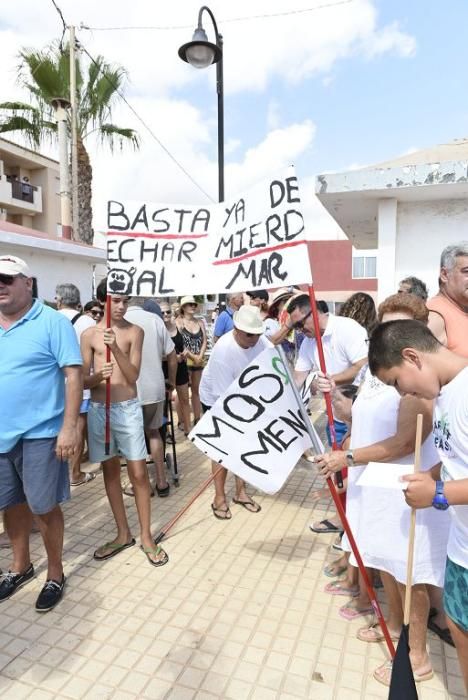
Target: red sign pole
108, 380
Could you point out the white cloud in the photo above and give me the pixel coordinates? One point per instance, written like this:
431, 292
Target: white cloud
273, 115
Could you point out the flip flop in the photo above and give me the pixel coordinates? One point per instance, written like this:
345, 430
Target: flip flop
332, 572
329, 527
383, 674
443, 633
352, 613
256, 507
225, 510
155, 550
373, 633
89, 476
115, 548
337, 588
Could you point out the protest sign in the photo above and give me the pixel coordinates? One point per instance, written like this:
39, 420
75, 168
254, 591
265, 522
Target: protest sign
256, 429
252, 241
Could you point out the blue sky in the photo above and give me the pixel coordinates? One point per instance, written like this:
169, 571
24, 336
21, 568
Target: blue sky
328, 90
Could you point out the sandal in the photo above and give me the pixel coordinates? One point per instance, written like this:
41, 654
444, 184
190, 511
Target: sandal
155, 550
443, 633
373, 633
226, 512
340, 588
249, 505
89, 476
332, 571
114, 547
328, 527
383, 674
351, 612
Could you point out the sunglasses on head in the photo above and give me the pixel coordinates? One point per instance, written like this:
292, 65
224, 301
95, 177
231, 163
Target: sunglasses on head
7, 280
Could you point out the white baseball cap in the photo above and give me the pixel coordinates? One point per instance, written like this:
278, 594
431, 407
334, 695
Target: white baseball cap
12, 266
248, 319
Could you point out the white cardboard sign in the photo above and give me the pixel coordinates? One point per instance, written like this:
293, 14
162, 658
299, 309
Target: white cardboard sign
253, 241
256, 429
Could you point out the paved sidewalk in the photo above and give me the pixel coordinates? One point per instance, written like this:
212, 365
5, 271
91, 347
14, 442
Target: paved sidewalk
239, 612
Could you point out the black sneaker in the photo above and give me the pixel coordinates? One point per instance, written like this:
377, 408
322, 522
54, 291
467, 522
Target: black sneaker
50, 595
11, 581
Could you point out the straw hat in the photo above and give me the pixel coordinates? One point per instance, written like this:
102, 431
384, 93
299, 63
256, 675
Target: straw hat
187, 300
248, 319
281, 293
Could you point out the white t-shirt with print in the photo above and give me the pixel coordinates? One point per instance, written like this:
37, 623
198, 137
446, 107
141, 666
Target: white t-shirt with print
344, 343
227, 360
157, 343
450, 432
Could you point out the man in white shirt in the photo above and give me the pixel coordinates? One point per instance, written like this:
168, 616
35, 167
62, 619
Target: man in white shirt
232, 353
151, 385
67, 298
344, 347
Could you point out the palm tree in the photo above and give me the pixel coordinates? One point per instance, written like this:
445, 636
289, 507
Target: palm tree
46, 75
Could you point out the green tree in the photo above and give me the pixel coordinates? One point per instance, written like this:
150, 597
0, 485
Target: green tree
46, 75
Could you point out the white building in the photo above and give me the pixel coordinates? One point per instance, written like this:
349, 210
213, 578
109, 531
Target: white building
54, 260
408, 209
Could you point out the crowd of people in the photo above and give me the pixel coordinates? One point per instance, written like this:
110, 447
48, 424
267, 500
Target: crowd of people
385, 367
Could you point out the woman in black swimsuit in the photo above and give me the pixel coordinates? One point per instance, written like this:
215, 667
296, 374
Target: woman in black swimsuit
182, 377
193, 333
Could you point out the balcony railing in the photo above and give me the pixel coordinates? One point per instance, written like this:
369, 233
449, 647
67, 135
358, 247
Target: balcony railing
22, 190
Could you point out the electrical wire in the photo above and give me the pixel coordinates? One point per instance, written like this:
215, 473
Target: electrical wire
148, 128
60, 13
247, 18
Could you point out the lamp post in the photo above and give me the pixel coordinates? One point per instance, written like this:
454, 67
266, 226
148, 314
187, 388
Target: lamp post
201, 53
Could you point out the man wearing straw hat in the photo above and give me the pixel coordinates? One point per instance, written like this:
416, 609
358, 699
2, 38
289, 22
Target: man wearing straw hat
231, 354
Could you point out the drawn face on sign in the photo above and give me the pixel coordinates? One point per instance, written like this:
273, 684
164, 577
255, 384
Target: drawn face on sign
121, 281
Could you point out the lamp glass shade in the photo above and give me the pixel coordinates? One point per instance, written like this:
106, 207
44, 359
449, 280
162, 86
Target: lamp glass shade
200, 54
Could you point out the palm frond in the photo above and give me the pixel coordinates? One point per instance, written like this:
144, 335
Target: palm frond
30, 129
112, 133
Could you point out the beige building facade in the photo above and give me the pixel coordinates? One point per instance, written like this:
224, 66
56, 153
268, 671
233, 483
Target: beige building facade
29, 189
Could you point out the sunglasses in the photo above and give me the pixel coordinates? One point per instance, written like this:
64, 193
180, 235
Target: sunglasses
167, 313
97, 313
7, 280
300, 324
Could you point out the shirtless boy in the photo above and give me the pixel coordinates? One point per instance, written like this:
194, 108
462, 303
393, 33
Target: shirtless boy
406, 355
126, 422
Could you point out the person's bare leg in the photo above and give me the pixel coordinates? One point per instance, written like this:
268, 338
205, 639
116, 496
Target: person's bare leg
184, 406
195, 378
74, 461
460, 638
51, 526
395, 607
219, 501
111, 471
157, 453
418, 627
138, 475
18, 522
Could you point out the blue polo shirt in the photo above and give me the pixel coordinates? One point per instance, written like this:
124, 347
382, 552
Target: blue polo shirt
224, 323
32, 385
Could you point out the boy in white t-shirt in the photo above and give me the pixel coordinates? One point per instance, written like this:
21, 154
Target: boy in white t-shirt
406, 355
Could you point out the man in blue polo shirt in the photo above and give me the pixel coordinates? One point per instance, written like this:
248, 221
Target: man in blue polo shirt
38, 419
224, 322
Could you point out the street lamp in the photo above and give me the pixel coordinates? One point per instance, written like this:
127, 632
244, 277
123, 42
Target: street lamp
201, 53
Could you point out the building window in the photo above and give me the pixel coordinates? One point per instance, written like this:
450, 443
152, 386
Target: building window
364, 267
